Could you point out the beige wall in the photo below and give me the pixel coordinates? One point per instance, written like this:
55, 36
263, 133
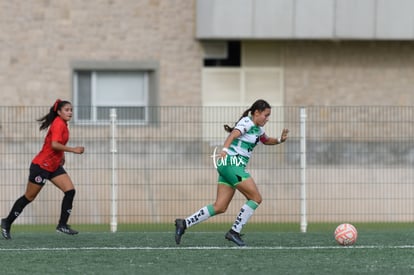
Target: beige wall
40, 39
349, 73
338, 73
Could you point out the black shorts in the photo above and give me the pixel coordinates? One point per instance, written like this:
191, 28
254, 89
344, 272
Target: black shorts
39, 176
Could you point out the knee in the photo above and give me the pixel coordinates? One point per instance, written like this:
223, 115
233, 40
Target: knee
70, 193
29, 197
257, 199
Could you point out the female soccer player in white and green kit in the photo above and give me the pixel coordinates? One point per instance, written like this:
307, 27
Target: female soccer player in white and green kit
231, 164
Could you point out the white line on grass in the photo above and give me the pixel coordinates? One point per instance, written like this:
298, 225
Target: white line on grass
210, 248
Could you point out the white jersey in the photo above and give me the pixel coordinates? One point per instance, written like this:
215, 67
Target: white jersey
250, 137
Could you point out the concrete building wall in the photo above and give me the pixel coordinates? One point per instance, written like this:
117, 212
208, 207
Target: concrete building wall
334, 73
304, 19
348, 73
40, 39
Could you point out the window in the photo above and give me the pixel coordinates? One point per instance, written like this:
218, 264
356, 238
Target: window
131, 91
232, 56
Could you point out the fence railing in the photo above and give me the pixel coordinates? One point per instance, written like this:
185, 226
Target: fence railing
357, 166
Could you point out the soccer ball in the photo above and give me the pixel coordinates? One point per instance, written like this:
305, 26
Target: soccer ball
346, 234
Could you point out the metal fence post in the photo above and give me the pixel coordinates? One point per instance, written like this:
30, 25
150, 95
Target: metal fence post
303, 218
114, 193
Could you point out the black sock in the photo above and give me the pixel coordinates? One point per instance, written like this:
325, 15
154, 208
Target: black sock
66, 206
17, 209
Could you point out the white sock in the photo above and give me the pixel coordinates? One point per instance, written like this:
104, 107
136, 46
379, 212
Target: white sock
245, 213
200, 216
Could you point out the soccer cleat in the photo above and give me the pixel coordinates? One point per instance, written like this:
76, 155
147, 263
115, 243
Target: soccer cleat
235, 238
66, 229
5, 229
180, 227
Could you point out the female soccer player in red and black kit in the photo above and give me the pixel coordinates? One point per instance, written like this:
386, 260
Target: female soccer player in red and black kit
48, 165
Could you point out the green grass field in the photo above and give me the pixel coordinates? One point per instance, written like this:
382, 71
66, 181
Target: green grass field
380, 249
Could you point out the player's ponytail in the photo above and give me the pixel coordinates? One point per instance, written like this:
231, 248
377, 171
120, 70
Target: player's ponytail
259, 105
49, 117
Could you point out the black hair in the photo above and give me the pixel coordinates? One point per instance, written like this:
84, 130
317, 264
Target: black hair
49, 117
259, 105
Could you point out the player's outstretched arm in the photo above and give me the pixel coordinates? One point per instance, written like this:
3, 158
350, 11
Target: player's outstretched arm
274, 141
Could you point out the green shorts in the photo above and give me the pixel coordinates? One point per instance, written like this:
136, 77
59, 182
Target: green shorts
232, 170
